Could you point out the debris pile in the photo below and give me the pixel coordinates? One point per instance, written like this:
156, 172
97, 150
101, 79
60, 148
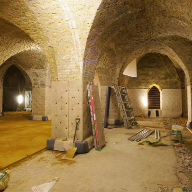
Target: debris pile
4, 179
184, 166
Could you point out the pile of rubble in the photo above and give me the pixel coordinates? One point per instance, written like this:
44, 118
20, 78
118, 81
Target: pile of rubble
168, 122
184, 170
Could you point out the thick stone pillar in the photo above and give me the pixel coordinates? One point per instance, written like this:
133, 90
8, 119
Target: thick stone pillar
69, 100
41, 104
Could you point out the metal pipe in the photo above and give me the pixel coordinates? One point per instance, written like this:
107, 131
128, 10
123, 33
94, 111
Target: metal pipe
135, 134
156, 134
142, 136
147, 134
138, 135
159, 136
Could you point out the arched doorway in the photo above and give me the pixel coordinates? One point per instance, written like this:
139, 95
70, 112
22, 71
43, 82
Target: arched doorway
154, 98
16, 90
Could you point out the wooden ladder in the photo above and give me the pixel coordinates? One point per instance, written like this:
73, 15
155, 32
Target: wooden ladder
125, 106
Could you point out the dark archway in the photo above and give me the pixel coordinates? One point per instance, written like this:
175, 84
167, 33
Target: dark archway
154, 98
15, 83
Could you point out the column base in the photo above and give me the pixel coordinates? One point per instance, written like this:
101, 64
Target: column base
39, 118
189, 125
59, 145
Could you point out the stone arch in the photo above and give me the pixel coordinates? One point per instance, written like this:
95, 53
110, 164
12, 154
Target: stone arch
21, 84
150, 96
33, 63
5, 67
62, 50
156, 47
154, 85
3, 71
130, 23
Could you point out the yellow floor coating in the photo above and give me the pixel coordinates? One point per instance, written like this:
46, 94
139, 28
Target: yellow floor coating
21, 137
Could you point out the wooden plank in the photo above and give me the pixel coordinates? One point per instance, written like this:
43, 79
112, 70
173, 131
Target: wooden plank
97, 107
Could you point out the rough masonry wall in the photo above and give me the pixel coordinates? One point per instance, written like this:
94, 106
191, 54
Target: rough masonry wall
154, 30
38, 103
109, 24
125, 28
135, 96
48, 102
155, 69
41, 103
171, 103
44, 20
35, 69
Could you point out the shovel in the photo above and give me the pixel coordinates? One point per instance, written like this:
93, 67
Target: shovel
71, 151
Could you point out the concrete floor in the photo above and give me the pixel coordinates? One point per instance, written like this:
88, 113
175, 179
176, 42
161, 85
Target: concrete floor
21, 137
121, 166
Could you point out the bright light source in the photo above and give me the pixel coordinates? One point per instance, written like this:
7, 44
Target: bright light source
20, 99
144, 100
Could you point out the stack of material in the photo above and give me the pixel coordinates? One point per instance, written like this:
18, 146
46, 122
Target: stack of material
142, 137
142, 134
176, 133
96, 117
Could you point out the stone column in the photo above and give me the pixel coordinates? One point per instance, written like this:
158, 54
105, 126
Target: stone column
69, 100
41, 102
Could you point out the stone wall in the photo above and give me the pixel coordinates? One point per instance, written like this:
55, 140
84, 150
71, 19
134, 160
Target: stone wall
135, 96
107, 35
159, 70
171, 102
155, 69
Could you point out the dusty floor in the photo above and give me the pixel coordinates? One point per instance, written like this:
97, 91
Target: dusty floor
21, 137
121, 166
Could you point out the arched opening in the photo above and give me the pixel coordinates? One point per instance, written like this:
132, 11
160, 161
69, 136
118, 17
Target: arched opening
17, 90
160, 82
17, 84
154, 98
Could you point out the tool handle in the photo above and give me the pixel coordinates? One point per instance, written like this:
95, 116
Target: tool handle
77, 120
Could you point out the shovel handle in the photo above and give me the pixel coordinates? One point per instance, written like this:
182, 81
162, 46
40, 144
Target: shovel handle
77, 120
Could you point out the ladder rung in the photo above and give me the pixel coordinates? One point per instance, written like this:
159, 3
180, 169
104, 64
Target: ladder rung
125, 106
128, 110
